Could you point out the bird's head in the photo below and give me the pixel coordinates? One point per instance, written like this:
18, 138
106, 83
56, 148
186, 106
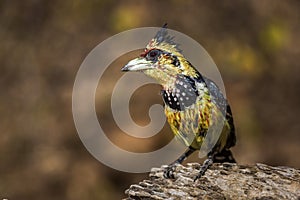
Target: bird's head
162, 60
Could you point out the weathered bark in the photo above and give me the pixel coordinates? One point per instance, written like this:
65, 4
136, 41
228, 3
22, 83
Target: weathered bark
221, 181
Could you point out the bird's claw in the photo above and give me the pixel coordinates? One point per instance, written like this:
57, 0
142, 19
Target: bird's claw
199, 175
207, 163
169, 171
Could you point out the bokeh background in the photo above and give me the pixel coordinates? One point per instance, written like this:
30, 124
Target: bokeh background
254, 43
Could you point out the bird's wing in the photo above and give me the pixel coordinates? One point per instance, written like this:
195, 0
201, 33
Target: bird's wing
216, 96
218, 99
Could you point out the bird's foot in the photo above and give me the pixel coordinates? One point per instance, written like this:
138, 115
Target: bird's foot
169, 171
206, 164
199, 175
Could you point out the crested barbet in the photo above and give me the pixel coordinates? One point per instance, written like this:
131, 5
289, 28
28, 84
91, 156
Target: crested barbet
194, 105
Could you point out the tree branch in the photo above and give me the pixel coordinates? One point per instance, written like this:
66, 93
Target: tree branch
221, 181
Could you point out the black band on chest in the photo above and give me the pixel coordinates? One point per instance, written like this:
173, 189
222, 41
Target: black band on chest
182, 95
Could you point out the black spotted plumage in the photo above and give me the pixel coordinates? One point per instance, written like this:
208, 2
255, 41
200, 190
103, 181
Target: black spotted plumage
182, 95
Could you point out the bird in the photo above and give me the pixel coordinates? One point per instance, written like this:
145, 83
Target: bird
193, 104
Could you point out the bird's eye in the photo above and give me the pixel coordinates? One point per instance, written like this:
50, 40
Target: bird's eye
153, 54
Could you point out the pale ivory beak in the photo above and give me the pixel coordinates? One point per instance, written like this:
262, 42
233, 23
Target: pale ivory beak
138, 64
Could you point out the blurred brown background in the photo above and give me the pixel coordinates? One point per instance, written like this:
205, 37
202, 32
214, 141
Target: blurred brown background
254, 43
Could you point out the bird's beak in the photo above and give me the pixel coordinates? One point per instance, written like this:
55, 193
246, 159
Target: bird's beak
138, 64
